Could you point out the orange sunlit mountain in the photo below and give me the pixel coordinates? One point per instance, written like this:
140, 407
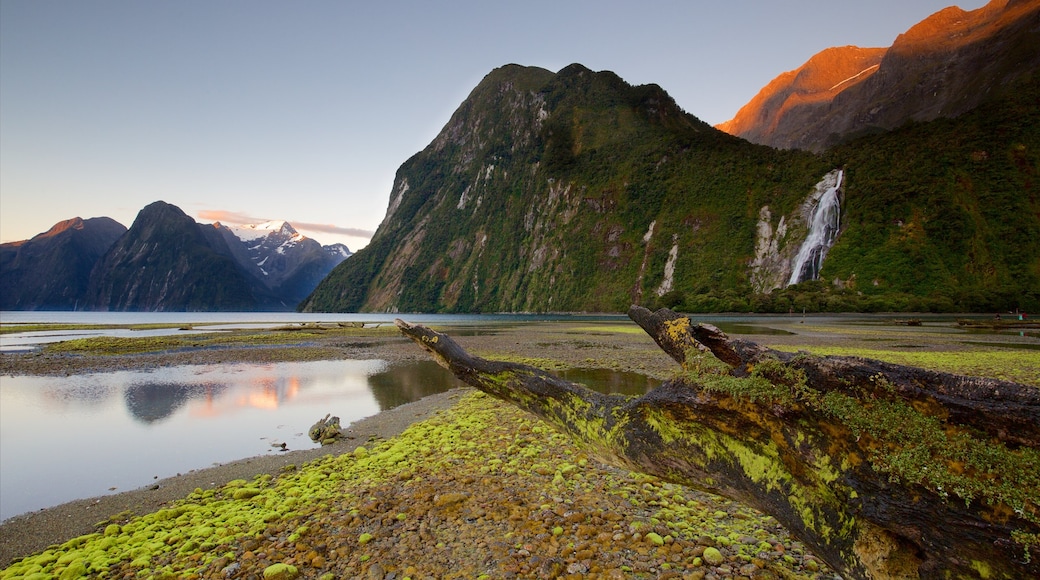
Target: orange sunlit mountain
799, 92
941, 67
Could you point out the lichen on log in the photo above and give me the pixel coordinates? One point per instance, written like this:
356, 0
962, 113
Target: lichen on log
885, 471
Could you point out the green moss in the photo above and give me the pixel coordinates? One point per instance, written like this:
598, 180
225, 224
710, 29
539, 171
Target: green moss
1022, 366
984, 570
477, 430
110, 345
281, 571
907, 444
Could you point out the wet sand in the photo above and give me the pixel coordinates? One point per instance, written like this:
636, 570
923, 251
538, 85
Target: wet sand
578, 345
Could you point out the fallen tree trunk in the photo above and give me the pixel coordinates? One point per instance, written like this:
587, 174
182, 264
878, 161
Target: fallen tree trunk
884, 471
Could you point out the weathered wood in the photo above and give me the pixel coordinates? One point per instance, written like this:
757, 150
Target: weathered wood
859, 459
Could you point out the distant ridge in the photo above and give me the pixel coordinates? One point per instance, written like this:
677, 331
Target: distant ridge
943, 66
168, 262
51, 271
165, 261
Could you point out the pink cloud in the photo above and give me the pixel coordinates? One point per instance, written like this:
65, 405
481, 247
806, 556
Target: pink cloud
231, 217
333, 229
239, 218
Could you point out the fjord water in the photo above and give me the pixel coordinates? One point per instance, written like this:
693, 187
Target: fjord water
70, 437
63, 438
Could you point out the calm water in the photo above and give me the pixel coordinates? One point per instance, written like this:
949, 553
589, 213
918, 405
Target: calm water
216, 321
63, 438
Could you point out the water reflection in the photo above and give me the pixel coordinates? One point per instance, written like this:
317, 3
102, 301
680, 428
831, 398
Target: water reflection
405, 383
152, 402
121, 430
610, 382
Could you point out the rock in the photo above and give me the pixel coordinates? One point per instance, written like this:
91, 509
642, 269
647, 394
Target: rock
281, 572
326, 428
246, 493
713, 556
655, 538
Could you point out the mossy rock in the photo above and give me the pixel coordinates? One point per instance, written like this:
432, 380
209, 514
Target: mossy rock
713, 556
246, 493
281, 572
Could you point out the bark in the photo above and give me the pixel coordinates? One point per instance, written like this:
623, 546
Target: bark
859, 459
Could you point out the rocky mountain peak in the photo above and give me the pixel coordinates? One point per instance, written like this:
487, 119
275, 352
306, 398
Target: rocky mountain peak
823, 76
941, 67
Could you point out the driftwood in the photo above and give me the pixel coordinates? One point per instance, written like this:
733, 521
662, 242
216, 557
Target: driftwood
884, 471
325, 430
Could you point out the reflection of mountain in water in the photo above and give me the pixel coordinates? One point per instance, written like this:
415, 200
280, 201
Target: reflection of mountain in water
151, 402
91, 394
401, 384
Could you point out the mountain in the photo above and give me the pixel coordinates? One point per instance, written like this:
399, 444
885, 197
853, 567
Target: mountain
288, 264
51, 271
568, 191
944, 66
168, 262
575, 191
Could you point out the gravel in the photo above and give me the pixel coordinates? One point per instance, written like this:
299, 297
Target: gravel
456, 485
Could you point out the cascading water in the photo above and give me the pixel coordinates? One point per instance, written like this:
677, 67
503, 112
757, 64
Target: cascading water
823, 230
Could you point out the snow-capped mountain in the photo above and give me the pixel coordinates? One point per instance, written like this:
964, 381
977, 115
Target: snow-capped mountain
287, 263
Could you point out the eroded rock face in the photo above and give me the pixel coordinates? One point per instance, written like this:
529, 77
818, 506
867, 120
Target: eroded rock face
942, 67
790, 102
771, 266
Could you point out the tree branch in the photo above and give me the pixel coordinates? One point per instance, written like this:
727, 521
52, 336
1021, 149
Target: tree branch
859, 459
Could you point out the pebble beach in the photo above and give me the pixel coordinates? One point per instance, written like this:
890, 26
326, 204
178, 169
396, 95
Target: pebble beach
456, 485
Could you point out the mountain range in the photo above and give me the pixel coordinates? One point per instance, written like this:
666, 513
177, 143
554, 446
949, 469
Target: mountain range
944, 66
575, 191
164, 261
868, 179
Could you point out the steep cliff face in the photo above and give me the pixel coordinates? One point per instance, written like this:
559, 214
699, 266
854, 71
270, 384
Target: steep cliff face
575, 191
51, 271
944, 66
168, 262
792, 100
569, 191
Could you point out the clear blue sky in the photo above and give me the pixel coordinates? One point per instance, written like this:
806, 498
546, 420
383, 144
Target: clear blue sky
303, 111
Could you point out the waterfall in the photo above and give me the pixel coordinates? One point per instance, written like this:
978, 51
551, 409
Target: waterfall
823, 230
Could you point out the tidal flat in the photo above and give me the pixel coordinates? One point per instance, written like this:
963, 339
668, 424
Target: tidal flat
455, 487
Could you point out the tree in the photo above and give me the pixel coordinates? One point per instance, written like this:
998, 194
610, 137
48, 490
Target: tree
884, 471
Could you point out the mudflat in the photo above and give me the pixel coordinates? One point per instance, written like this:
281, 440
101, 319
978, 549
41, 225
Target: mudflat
501, 495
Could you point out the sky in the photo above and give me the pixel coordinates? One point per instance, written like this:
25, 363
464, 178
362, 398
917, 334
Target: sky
249, 111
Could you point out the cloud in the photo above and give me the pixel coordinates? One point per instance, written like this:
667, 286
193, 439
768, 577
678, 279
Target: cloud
239, 218
333, 229
230, 217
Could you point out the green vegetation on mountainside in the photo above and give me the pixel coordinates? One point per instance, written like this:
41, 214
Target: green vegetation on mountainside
575, 191
947, 212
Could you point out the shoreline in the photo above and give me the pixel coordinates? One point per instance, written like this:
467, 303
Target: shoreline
569, 345
31, 532
25, 534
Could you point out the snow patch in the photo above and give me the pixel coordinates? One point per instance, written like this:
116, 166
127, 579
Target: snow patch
251, 232
855, 76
